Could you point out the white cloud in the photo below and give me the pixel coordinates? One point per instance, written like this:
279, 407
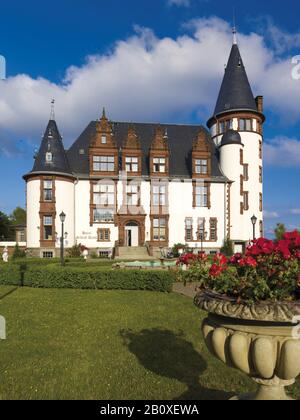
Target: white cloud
295, 212
185, 3
145, 78
271, 214
282, 151
281, 40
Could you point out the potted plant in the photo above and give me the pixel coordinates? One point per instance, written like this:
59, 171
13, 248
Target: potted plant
253, 305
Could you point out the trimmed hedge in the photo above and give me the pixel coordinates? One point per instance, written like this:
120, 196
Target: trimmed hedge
52, 276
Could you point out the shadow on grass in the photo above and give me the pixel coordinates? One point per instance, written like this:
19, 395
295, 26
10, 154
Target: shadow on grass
8, 293
169, 355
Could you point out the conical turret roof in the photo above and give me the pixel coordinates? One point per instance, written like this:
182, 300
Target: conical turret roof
51, 157
235, 93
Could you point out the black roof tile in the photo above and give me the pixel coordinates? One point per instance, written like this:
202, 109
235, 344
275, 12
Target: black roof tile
180, 140
51, 143
236, 92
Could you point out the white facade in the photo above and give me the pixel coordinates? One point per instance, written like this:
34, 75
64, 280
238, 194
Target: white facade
220, 190
252, 143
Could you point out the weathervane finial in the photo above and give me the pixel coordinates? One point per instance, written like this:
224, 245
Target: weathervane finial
234, 31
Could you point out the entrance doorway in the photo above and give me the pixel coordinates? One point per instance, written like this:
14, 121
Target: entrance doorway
132, 234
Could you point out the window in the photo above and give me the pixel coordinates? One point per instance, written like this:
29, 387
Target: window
201, 234
260, 202
246, 124
22, 236
201, 196
104, 195
242, 208
241, 185
132, 164
159, 165
213, 230
48, 190
48, 254
132, 195
159, 227
103, 163
225, 126
246, 172
246, 201
241, 156
260, 174
189, 229
49, 157
201, 166
103, 216
261, 229
104, 254
221, 127
103, 139
48, 228
159, 195
260, 149
103, 235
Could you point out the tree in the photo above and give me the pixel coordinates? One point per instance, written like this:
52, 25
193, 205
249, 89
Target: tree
227, 248
280, 230
18, 217
18, 253
5, 227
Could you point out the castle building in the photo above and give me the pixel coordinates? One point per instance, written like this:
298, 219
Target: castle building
146, 187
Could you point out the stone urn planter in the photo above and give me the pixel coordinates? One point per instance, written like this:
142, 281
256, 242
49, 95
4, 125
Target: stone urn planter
257, 339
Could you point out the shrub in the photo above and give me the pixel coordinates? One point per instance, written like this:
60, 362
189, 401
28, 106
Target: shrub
75, 251
198, 267
175, 249
268, 271
54, 276
18, 253
227, 248
10, 274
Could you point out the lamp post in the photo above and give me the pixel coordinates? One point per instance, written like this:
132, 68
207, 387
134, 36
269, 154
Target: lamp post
62, 217
254, 221
202, 236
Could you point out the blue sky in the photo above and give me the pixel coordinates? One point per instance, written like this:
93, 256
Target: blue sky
159, 60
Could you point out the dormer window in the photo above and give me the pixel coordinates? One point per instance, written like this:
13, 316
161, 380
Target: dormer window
159, 154
201, 156
49, 157
201, 166
132, 164
159, 165
103, 139
103, 163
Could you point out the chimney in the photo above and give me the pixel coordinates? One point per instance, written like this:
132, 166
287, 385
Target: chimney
260, 103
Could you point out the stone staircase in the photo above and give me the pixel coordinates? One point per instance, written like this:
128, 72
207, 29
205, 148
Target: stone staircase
134, 253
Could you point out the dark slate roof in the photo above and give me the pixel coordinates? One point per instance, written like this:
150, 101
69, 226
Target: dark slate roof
231, 137
235, 93
52, 142
180, 140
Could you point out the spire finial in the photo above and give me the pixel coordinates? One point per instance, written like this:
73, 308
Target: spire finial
234, 31
104, 113
234, 35
52, 113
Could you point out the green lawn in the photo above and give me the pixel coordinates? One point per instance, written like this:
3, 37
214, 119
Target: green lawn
72, 344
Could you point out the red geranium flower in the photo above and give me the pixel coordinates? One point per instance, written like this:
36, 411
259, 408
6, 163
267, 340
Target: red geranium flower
221, 259
215, 270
